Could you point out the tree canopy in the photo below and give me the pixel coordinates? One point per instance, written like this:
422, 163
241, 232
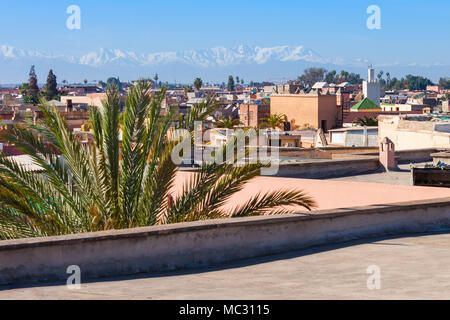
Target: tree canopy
231, 84
51, 87
409, 82
198, 83
312, 75
31, 90
114, 82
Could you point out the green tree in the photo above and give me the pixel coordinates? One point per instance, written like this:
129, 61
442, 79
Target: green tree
32, 93
51, 87
230, 85
312, 75
274, 121
227, 123
331, 77
198, 83
367, 121
380, 75
119, 183
444, 82
352, 78
445, 97
114, 83
417, 82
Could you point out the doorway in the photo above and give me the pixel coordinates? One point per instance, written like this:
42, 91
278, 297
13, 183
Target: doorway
323, 125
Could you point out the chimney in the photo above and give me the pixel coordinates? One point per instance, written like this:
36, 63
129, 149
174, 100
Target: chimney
387, 154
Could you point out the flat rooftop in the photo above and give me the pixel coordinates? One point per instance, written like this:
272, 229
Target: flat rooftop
344, 192
400, 177
411, 268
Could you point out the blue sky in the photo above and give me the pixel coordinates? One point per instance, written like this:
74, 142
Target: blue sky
412, 30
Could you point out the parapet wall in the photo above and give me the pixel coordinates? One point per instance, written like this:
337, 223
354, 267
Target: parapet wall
323, 153
321, 169
403, 156
205, 243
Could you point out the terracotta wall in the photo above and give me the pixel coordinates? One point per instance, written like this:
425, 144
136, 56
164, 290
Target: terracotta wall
302, 110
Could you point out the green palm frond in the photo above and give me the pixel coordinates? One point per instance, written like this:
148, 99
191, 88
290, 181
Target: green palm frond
124, 177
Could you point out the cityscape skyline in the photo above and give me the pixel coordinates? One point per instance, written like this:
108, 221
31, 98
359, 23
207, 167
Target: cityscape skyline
277, 64
336, 33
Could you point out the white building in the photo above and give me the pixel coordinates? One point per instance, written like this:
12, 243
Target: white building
354, 137
371, 87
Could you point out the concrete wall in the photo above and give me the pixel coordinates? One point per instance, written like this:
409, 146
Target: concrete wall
402, 156
329, 168
323, 153
205, 243
359, 139
409, 134
415, 155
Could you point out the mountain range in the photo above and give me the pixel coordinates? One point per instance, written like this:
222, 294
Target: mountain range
215, 64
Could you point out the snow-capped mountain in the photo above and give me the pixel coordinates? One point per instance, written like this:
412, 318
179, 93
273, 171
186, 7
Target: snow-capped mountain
215, 57
252, 62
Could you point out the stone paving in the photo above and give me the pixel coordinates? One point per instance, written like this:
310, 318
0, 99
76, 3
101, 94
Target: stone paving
414, 267
400, 177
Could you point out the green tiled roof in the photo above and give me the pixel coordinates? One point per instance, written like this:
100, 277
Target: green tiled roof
366, 104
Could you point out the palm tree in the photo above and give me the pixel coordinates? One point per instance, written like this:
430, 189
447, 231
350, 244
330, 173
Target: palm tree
227, 123
274, 121
113, 184
367, 121
380, 75
198, 83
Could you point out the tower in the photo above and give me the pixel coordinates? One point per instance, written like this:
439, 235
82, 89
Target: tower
371, 87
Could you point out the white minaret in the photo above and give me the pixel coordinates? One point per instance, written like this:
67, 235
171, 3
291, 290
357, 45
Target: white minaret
371, 87
371, 74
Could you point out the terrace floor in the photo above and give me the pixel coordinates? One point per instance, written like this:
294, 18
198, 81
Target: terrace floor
411, 268
347, 192
414, 267
399, 177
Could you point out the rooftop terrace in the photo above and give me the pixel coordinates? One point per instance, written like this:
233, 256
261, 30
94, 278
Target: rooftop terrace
411, 268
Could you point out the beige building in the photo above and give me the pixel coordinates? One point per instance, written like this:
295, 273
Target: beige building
312, 110
89, 100
402, 107
414, 132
